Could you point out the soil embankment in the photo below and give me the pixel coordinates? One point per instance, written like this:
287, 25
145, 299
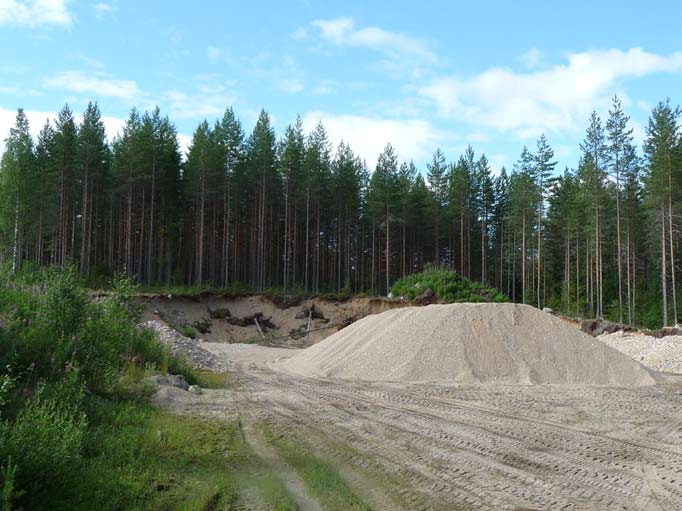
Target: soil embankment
279, 321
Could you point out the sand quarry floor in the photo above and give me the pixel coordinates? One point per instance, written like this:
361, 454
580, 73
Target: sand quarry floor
448, 446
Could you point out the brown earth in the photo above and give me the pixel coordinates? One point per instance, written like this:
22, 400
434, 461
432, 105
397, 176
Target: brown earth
233, 319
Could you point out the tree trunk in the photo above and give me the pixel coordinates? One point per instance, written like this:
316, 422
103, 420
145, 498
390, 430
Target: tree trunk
620, 269
663, 266
523, 259
672, 250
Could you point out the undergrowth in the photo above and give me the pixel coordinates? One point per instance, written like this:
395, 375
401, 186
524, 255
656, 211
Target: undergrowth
448, 286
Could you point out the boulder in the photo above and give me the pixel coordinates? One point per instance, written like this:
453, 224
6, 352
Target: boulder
218, 312
170, 380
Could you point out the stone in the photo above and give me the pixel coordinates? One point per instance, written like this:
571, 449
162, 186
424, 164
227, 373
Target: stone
170, 380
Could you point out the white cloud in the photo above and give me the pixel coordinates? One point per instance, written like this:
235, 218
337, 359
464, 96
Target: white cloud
558, 99
326, 87
342, 32
367, 136
104, 9
184, 141
214, 54
531, 58
207, 101
33, 13
96, 85
299, 34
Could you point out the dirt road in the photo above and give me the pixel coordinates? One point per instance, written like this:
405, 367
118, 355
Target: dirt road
436, 446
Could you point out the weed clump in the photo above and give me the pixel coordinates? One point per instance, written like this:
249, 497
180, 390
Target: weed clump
448, 286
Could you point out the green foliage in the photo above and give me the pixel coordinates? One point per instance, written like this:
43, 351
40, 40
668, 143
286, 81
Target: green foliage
54, 344
188, 331
46, 437
448, 286
8, 491
64, 302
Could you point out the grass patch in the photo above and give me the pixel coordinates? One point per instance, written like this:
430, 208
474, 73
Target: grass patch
210, 380
322, 479
188, 331
447, 285
138, 457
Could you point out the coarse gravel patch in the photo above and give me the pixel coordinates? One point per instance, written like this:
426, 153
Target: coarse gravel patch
664, 354
185, 347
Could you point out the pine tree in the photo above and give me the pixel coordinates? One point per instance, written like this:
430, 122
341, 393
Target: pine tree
543, 169
619, 137
437, 179
230, 140
261, 162
93, 158
291, 158
17, 171
595, 147
382, 191
660, 147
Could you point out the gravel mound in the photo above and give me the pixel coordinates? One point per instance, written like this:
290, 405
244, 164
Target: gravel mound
468, 343
664, 354
184, 346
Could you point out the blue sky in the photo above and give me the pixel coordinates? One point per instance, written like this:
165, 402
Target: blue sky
418, 74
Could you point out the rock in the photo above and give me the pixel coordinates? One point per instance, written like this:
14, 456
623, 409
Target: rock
548, 310
182, 346
171, 380
203, 325
195, 389
306, 311
426, 298
219, 312
250, 320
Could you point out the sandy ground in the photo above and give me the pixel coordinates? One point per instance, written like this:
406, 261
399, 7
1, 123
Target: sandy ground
454, 446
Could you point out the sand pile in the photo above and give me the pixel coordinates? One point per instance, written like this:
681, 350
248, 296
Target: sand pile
664, 354
468, 343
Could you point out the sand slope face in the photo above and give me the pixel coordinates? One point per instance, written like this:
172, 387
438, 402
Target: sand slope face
468, 343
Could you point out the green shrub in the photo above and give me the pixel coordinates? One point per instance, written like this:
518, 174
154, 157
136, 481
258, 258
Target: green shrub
46, 437
65, 301
8, 491
188, 331
448, 287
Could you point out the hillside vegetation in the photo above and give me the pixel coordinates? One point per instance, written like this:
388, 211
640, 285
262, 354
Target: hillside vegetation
76, 431
448, 286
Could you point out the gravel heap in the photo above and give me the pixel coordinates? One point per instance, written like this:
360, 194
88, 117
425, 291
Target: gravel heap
664, 354
468, 343
184, 346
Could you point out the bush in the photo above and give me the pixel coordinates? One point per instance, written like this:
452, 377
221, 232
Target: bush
65, 301
54, 343
448, 287
188, 331
46, 437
